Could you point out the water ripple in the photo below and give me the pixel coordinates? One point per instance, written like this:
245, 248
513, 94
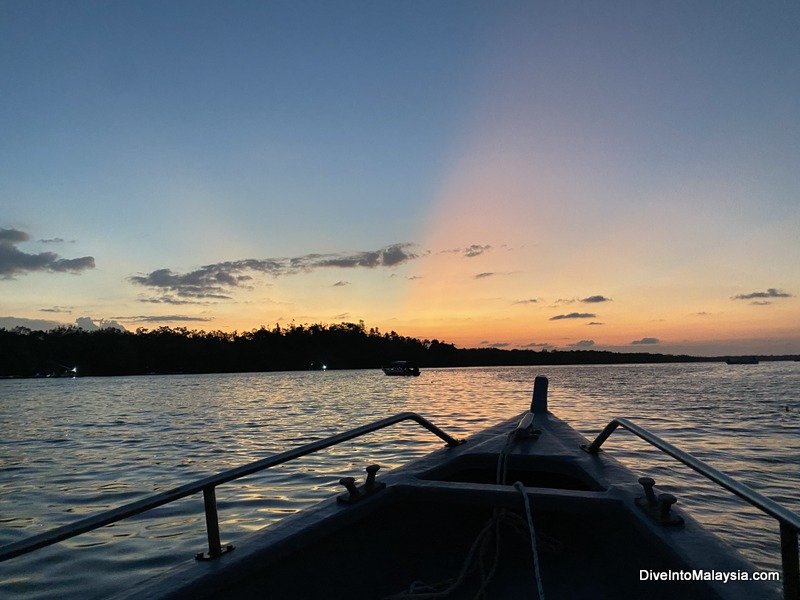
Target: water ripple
74, 447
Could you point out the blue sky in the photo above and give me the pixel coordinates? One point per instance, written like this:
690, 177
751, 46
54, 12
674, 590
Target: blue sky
459, 170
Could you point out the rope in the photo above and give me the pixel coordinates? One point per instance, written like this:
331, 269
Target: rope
502, 460
487, 542
479, 550
536, 571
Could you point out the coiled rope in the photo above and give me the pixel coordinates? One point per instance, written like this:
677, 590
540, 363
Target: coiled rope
487, 542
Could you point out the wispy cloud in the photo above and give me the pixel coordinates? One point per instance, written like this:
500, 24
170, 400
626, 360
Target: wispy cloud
597, 298
595, 323
167, 299
470, 251
574, 315
488, 344
537, 345
475, 250
770, 293
646, 340
483, 275
528, 301
163, 318
341, 284
582, 344
218, 281
57, 309
14, 261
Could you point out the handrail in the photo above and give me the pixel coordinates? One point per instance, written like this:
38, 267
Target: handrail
207, 485
788, 520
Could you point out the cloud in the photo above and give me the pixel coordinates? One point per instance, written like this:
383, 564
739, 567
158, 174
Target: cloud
206, 283
13, 261
646, 340
770, 293
488, 344
13, 236
593, 299
528, 301
57, 309
574, 315
595, 323
537, 345
167, 299
85, 323
341, 284
32, 324
470, 251
582, 344
164, 318
588, 300
217, 281
89, 324
483, 275
475, 250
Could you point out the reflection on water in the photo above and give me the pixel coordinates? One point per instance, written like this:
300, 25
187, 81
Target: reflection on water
72, 447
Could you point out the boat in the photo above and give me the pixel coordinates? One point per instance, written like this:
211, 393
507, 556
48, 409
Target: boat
742, 360
527, 508
401, 367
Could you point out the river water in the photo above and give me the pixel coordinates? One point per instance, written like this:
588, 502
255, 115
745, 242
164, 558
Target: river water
74, 447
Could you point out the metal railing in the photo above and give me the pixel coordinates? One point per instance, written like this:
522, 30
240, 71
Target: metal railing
207, 486
789, 521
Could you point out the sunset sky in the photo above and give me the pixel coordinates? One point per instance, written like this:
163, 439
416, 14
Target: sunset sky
607, 175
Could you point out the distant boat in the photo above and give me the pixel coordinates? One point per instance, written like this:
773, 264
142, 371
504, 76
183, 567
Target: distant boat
742, 360
401, 367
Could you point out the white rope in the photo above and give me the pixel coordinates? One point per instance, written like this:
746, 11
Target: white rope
502, 460
482, 546
476, 556
536, 571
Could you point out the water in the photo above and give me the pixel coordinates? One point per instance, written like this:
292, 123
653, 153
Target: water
74, 447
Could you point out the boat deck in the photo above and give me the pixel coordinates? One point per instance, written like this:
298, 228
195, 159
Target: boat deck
592, 537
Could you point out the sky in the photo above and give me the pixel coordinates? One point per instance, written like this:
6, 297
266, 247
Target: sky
564, 175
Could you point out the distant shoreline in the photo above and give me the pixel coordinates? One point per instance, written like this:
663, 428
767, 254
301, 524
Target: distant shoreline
71, 352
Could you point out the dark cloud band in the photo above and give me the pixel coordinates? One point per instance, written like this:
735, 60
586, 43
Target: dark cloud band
13, 261
770, 293
215, 282
594, 299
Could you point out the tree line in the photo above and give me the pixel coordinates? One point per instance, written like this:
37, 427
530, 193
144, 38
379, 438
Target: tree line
68, 351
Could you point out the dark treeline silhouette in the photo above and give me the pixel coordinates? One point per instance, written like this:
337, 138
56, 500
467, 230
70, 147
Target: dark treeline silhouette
26, 353
70, 350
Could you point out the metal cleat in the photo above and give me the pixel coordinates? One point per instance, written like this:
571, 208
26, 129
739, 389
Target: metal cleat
357, 492
658, 509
